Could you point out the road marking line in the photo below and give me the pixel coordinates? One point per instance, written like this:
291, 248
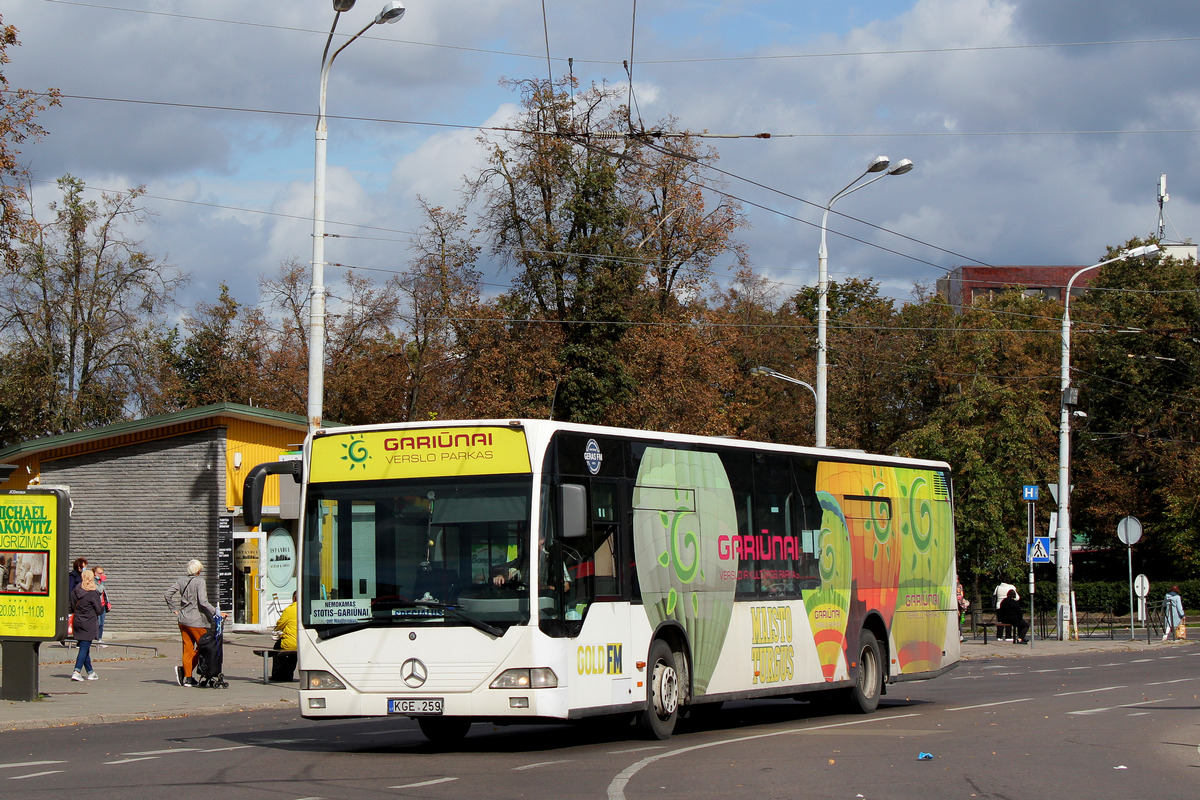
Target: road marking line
433, 782
1113, 708
1176, 680
234, 747
163, 752
1089, 691
130, 760
34, 775
616, 789
540, 764
1138, 714
989, 705
1141, 661
23, 764
636, 750
1043, 670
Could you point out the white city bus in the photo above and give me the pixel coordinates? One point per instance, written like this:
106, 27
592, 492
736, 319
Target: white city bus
530, 570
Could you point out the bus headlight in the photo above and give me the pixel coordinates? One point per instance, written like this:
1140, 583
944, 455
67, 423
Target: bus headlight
535, 678
319, 679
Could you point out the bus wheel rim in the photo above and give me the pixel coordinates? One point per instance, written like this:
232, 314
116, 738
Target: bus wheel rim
666, 690
867, 667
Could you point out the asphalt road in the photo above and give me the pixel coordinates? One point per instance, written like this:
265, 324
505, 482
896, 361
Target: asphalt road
1098, 725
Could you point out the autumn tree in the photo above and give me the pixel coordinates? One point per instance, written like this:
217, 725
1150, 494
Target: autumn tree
601, 229
82, 306
18, 112
439, 295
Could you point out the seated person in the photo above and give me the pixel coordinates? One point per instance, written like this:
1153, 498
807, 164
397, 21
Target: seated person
1009, 613
516, 571
283, 665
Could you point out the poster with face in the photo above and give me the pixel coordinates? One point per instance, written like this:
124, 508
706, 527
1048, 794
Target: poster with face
32, 575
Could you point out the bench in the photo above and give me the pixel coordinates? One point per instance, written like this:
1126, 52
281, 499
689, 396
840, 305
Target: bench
984, 621
268, 656
998, 627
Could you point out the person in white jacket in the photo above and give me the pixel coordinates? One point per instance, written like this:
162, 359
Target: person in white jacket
1172, 612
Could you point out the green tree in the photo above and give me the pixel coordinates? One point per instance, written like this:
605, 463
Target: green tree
1133, 358
220, 361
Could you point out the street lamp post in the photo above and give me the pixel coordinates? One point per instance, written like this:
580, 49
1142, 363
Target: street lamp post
770, 373
879, 164
1063, 547
392, 11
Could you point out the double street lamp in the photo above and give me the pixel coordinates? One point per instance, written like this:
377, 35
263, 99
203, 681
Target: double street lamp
882, 166
392, 12
1063, 547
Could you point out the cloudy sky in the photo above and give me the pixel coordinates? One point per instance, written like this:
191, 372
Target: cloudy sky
1039, 127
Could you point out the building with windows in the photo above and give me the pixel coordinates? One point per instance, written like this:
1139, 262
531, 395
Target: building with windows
965, 286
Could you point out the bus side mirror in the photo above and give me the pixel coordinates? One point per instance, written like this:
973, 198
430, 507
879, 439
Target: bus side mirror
252, 487
572, 505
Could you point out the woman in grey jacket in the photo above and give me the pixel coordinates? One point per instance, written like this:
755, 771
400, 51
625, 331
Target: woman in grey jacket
188, 600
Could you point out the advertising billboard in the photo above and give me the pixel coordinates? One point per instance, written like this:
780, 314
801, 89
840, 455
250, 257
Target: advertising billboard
34, 540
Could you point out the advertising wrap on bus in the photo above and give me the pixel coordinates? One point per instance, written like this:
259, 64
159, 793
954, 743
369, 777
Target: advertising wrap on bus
431, 452
883, 545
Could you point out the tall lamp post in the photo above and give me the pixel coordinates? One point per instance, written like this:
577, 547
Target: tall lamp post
770, 373
1062, 554
392, 11
880, 164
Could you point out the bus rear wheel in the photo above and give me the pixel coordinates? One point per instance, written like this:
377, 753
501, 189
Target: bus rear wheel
444, 730
662, 692
868, 686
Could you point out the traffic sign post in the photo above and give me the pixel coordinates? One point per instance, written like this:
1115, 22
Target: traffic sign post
1129, 530
1033, 546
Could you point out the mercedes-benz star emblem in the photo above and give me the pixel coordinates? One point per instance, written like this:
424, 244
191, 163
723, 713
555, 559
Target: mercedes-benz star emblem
413, 673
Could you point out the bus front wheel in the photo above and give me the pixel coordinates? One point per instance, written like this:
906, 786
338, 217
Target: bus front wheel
444, 730
662, 692
868, 686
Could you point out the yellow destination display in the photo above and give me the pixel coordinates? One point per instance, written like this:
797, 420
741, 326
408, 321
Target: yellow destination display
419, 453
28, 553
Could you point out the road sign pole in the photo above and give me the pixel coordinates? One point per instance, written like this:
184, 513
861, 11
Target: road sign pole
1129, 530
1032, 534
1130, 549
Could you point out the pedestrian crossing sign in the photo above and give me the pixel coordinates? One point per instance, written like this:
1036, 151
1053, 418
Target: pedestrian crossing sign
1038, 551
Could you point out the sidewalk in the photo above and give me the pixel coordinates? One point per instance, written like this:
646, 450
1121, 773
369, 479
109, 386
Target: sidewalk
135, 684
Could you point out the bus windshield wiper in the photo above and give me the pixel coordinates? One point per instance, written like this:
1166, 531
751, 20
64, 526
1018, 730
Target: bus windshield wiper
459, 614
350, 627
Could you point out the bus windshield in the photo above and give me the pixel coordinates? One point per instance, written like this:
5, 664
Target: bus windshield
416, 553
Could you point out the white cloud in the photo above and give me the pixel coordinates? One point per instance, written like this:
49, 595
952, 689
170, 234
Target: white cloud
1012, 133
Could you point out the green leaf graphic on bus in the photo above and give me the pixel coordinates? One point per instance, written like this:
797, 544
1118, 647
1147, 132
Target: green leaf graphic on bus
679, 568
927, 599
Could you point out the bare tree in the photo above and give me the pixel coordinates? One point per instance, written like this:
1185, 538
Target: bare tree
83, 307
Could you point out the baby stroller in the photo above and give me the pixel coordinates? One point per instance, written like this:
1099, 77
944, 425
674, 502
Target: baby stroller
209, 649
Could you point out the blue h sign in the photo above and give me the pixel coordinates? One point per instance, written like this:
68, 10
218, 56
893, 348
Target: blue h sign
1029, 493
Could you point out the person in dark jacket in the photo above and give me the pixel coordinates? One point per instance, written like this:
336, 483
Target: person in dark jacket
1009, 613
77, 568
86, 602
